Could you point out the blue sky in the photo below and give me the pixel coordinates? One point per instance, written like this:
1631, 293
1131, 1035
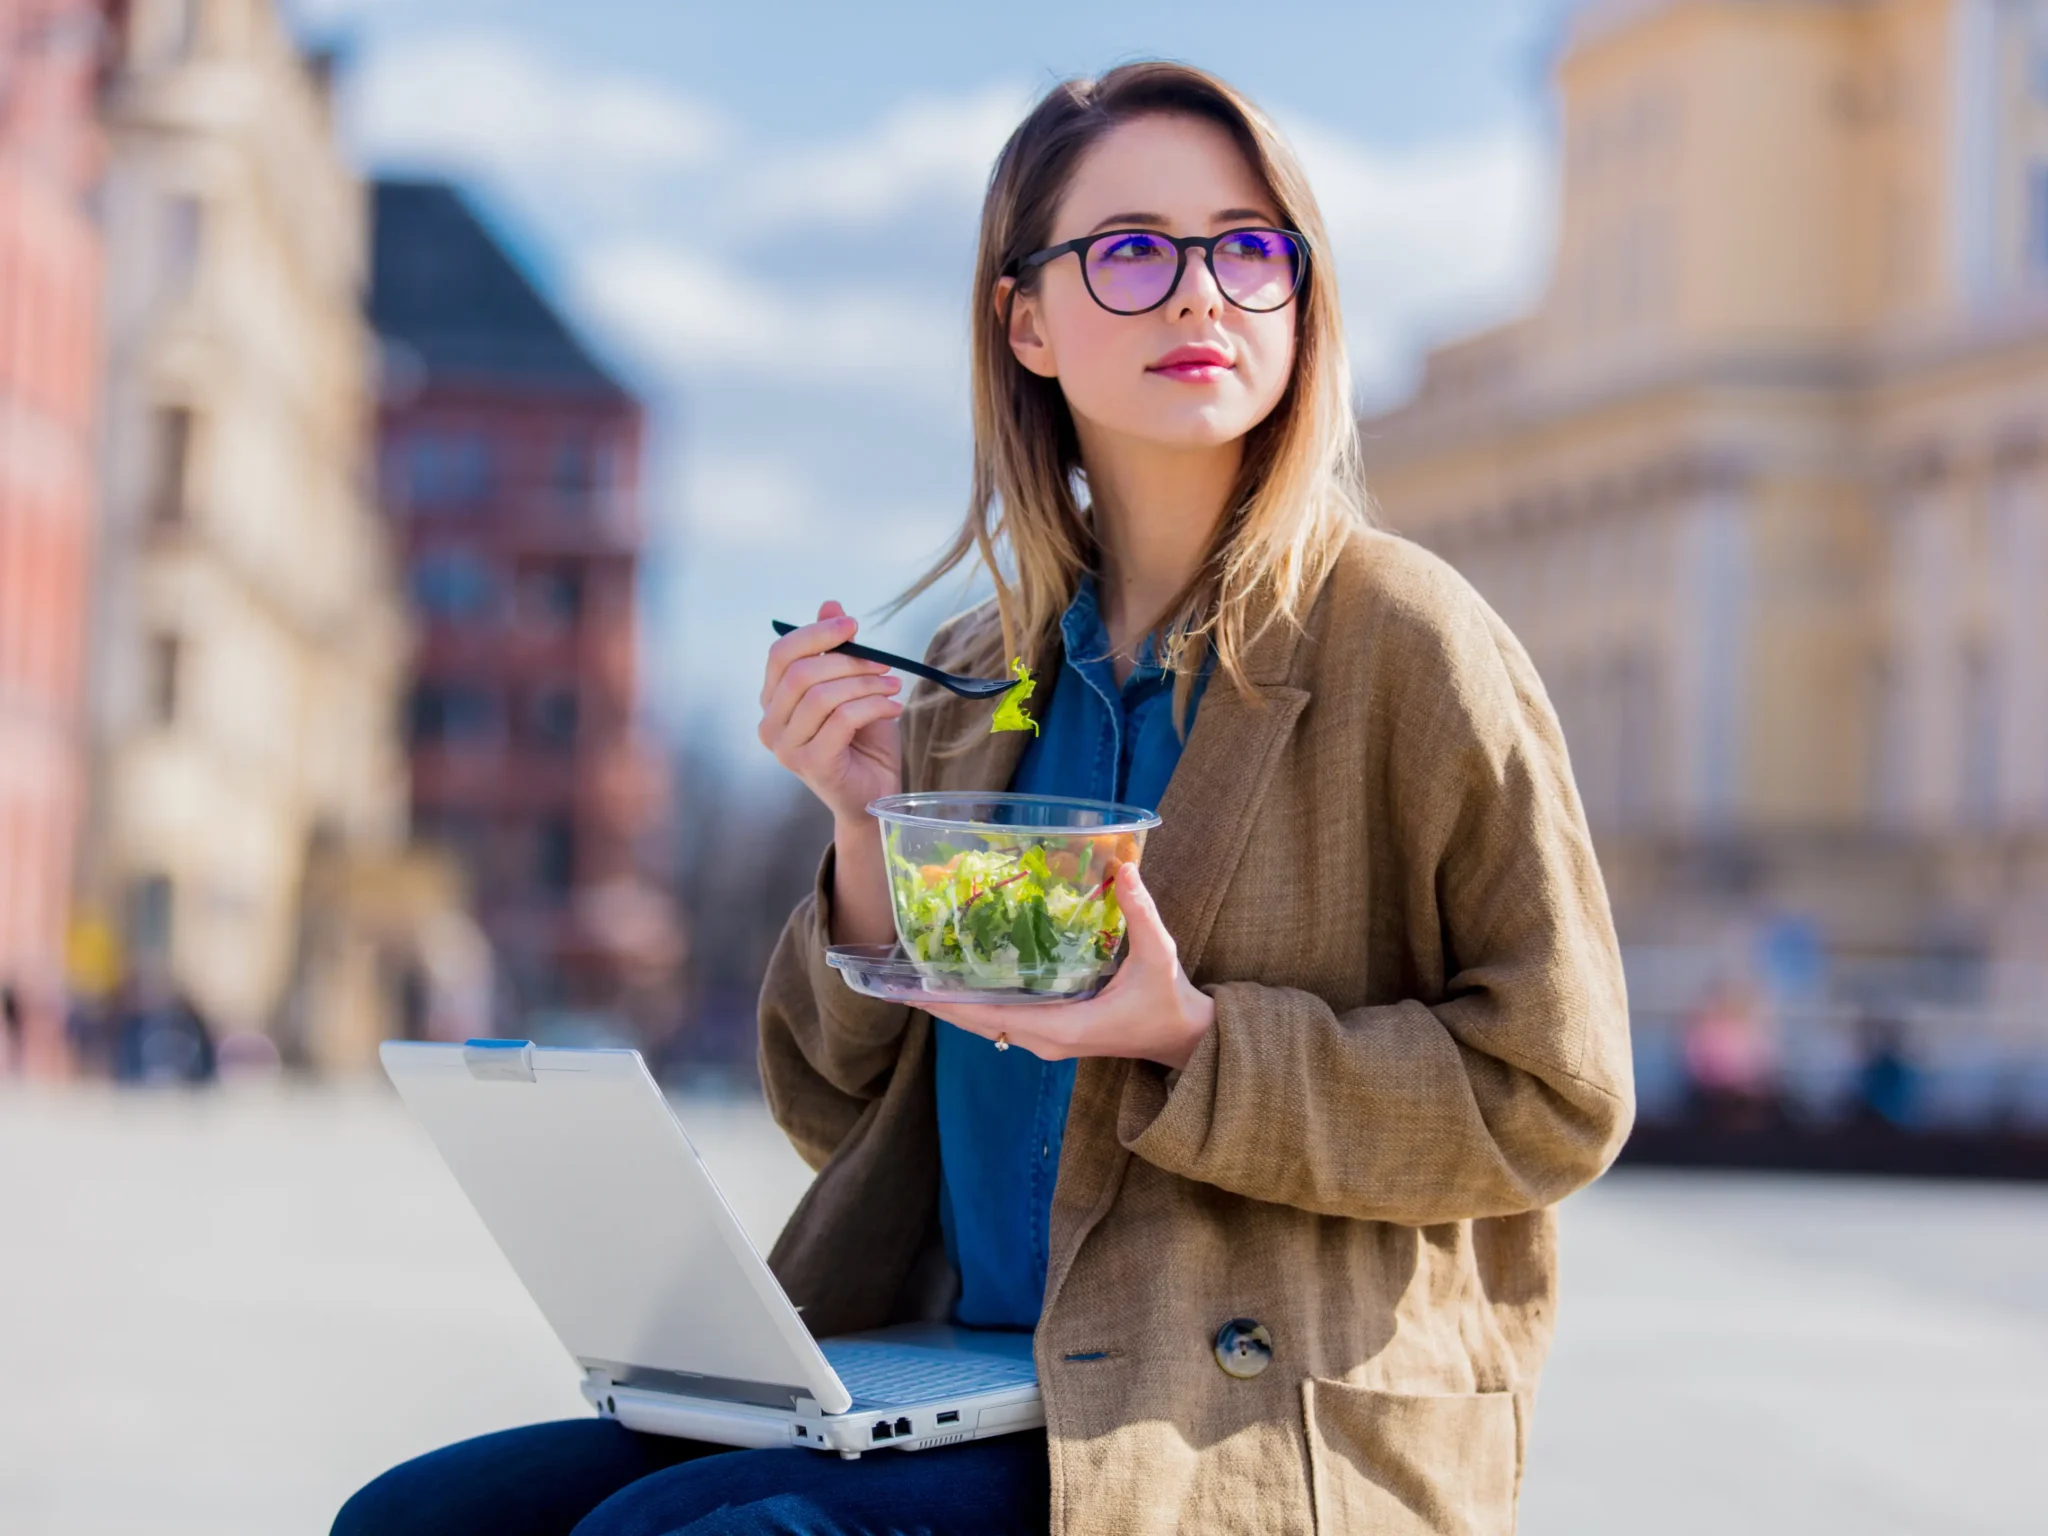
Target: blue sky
765, 214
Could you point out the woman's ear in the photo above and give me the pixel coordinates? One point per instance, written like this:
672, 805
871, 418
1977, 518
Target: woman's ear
1026, 334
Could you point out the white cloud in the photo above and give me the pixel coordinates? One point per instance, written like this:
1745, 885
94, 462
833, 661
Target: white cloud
924, 151
691, 315
487, 101
748, 503
760, 505
1441, 236
1426, 240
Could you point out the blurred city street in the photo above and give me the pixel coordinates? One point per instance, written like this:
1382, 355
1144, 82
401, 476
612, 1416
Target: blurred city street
412, 417
224, 1310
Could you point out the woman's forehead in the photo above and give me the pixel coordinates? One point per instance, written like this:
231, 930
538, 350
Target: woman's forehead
1178, 172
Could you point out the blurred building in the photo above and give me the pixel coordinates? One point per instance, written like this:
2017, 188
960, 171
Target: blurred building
1762, 480
51, 57
510, 468
249, 640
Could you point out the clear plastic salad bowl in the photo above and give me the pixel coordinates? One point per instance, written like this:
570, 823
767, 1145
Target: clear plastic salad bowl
999, 897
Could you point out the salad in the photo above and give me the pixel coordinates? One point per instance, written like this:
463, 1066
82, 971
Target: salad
1010, 712
1034, 913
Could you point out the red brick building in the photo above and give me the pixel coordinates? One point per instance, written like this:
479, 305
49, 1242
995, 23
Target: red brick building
51, 52
509, 462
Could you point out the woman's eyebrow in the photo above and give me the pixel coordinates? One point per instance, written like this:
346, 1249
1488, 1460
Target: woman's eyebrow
1160, 220
1127, 219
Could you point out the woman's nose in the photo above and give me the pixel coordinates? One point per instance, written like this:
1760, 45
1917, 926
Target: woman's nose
1197, 292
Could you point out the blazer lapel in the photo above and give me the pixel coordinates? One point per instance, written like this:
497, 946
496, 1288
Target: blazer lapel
1205, 820
1206, 815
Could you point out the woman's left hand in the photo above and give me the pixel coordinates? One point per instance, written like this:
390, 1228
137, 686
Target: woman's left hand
1149, 1011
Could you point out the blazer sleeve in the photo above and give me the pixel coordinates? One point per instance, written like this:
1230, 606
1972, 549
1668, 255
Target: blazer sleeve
1510, 1089
826, 1051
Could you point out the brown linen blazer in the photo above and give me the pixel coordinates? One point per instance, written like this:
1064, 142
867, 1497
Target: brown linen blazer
1383, 878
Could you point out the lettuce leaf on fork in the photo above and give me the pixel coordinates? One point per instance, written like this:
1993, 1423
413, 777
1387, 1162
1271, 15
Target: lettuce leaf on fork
1010, 714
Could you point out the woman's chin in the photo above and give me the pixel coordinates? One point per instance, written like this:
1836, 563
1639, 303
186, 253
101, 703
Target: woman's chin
1199, 427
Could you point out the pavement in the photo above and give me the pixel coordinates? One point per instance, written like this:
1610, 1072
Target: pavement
221, 1312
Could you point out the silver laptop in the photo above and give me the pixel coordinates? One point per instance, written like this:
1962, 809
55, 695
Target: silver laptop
584, 1176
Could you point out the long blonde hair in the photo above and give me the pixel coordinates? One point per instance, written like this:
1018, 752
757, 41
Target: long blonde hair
1299, 492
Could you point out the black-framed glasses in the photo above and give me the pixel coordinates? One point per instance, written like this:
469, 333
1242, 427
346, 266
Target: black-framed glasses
1132, 271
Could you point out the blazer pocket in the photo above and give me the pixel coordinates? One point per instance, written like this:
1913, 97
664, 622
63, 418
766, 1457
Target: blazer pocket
1407, 1464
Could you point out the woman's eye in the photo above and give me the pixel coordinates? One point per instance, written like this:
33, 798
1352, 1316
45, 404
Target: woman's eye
1132, 248
1247, 247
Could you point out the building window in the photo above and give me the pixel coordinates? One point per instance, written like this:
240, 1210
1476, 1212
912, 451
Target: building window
452, 714
170, 453
453, 586
1889, 745
555, 717
1636, 737
581, 472
166, 668
184, 233
575, 467
554, 595
2037, 220
447, 469
177, 29
1979, 740
555, 855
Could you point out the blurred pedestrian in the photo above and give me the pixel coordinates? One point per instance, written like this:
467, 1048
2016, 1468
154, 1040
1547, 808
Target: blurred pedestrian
1730, 1064
1887, 1080
15, 1026
160, 1036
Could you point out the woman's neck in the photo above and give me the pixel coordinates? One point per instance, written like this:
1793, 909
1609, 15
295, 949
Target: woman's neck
1155, 511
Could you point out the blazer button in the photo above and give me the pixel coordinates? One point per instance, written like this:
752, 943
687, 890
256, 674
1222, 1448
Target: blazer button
1243, 1348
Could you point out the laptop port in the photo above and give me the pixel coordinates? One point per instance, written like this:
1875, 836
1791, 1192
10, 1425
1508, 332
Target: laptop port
902, 1427
950, 1416
882, 1430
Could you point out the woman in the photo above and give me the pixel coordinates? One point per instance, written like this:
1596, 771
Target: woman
1276, 1203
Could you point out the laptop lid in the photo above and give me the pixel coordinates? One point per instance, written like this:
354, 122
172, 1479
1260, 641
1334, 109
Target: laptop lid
591, 1188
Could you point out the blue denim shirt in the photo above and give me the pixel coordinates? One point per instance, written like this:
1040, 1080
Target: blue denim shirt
1002, 1114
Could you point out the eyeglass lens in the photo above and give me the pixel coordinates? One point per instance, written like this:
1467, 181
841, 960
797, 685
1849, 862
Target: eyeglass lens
1130, 271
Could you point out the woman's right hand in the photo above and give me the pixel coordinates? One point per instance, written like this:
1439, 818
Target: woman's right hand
830, 718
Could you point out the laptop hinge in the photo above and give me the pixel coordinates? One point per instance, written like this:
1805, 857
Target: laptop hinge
725, 1389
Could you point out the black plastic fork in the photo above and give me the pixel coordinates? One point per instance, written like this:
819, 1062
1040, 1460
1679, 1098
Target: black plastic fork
966, 687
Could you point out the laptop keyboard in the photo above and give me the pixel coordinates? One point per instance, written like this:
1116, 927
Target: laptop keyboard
893, 1375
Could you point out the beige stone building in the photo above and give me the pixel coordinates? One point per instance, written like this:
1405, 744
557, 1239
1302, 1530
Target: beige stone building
248, 641
1762, 479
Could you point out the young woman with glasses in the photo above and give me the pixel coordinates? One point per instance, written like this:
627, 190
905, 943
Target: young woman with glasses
1276, 1204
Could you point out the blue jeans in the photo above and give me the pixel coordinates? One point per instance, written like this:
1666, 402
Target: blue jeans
596, 1478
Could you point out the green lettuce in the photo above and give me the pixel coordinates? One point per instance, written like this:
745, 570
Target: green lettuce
1004, 918
1010, 714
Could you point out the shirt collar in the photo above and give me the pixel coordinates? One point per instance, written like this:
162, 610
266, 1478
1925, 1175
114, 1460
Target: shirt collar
1087, 638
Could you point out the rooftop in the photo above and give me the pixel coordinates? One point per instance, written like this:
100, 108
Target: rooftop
443, 286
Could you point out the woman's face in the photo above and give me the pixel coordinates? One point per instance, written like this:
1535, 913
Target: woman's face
1121, 373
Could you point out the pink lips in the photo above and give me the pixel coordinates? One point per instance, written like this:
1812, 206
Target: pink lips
1195, 365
